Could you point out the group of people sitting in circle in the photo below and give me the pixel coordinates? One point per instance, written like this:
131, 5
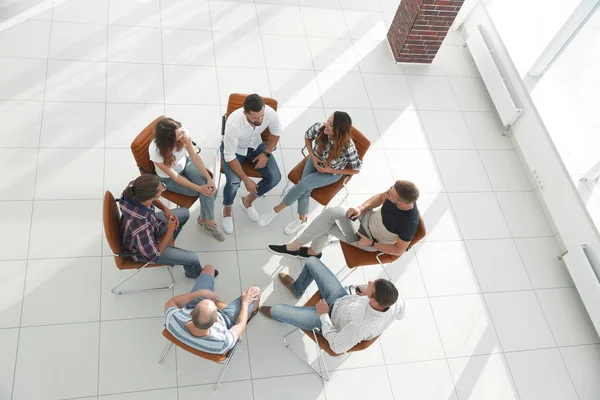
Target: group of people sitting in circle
387, 223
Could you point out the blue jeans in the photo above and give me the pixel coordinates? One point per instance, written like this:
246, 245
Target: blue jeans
207, 204
270, 174
174, 255
311, 179
306, 317
231, 312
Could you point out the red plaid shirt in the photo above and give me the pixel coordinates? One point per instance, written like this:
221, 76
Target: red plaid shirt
139, 230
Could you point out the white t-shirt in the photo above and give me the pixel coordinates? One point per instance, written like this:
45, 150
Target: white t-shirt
180, 157
240, 135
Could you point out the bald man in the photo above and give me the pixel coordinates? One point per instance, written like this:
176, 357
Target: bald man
200, 320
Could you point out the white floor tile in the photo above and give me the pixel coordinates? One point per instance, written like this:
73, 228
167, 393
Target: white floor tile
486, 129
295, 88
26, 9
71, 349
280, 20
85, 127
435, 68
76, 81
446, 130
8, 352
12, 276
232, 16
404, 273
465, 326
462, 171
429, 380
134, 83
134, 12
479, 216
27, 39
76, 41
296, 120
401, 129
366, 25
239, 50
81, 11
541, 374
186, 47
241, 390
376, 57
80, 222
524, 214
249, 235
134, 44
22, 123
17, 216
284, 52
432, 93
77, 172
129, 352
365, 382
413, 338
19, 184
544, 269
583, 364
343, 90
483, 377
446, 268
471, 94
119, 170
164, 394
204, 124
417, 166
374, 176
457, 61
298, 387
242, 80
440, 222
324, 22
388, 91
190, 85
125, 121
22, 79
360, 5
519, 321
331, 54
505, 170
320, 3
498, 265
568, 319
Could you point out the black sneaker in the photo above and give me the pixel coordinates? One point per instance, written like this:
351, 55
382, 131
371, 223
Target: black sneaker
192, 277
303, 253
282, 250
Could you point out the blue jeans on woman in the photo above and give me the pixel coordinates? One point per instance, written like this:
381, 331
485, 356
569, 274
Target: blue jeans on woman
207, 203
174, 255
311, 179
270, 174
306, 317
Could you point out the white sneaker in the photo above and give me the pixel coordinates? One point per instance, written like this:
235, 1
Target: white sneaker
266, 219
294, 226
228, 225
251, 211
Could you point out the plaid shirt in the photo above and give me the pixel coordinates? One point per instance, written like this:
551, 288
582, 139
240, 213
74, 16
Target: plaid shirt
349, 154
139, 230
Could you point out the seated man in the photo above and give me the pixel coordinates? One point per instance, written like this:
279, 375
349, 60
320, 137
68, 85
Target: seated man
344, 320
242, 142
388, 229
201, 321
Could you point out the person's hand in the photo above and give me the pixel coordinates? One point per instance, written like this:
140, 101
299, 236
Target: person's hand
211, 184
168, 214
322, 307
260, 160
364, 241
187, 140
324, 168
361, 290
172, 225
315, 160
174, 218
210, 295
250, 295
207, 190
353, 213
251, 186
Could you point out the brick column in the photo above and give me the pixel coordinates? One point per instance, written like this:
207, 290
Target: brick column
419, 28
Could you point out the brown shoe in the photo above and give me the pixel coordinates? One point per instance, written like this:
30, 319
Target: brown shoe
266, 311
288, 281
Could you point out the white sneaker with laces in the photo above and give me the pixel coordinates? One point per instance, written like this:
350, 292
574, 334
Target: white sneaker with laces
294, 226
266, 219
228, 225
250, 211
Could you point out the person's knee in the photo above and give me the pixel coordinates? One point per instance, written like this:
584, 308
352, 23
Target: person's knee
209, 270
273, 177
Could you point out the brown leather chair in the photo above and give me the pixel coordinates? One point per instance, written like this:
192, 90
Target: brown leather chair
321, 342
236, 100
324, 194
111, 218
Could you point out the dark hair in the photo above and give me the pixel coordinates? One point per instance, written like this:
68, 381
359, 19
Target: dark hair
253, 102
386, 293
164, 137
407, 191
342, 125
197, 318
143, 188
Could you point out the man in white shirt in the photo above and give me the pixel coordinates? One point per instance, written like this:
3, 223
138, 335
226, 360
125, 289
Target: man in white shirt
344, 320
242, 142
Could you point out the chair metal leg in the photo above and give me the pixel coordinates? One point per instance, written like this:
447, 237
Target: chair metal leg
319, 352
352, 270
169, 268
381, 264
165, 351
226, 364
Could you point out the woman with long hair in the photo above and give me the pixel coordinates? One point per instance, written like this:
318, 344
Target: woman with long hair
332, 153
182, 170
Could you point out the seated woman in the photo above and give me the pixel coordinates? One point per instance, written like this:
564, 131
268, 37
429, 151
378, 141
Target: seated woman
333, 151
148, 236
184, 174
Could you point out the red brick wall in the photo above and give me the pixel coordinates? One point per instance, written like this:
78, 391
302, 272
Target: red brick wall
419, 28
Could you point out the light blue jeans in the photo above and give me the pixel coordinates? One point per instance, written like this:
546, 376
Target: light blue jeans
207, 203
306, 317
174, 255
311, 179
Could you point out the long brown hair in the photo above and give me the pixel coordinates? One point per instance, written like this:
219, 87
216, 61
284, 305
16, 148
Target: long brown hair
342, 124
143, 188
164, 137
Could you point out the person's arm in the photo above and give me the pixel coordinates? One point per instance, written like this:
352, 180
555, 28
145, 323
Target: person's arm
373, 202
230, 144
340, 340
184, 299
196, 159
247, 298
182, 180
396, 249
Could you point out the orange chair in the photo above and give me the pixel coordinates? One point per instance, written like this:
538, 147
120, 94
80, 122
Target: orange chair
111, 218
323, 195
322, 343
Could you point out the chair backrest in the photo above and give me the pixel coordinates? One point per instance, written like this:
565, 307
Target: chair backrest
218, 358
360, 141
236, 100
111, 218
419, 234
139, 148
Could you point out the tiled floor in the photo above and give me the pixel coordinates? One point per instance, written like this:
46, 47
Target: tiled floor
491, 313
